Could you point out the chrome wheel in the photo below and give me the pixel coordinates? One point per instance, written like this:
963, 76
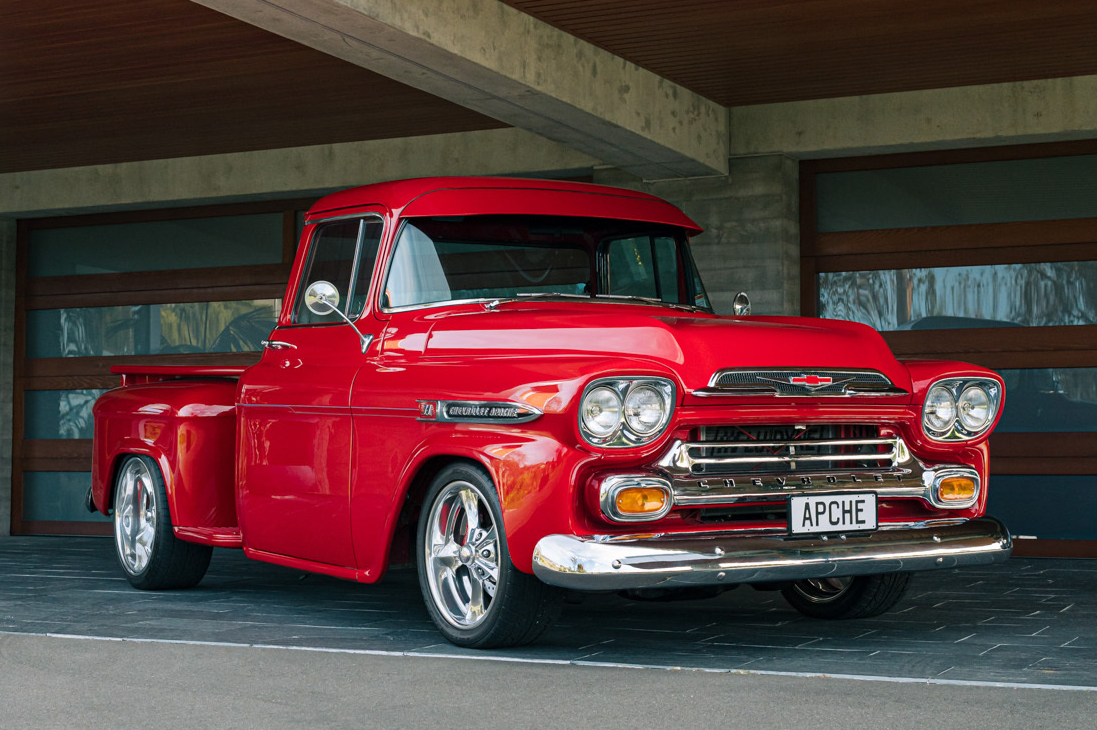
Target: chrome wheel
822, 590
461, 546
135, 516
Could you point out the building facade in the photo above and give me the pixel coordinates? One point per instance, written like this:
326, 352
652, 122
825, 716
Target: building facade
927, 169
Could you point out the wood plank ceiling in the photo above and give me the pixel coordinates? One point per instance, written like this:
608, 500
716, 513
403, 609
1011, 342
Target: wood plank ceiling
90, 81
739, 52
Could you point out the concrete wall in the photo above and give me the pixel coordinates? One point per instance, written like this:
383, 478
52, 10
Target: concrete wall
7, 347
751, 219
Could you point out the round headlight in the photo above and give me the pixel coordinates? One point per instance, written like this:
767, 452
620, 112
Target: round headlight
940, 409
602, 412
974, 408
645, 410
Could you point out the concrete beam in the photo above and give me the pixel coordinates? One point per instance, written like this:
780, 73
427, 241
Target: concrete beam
281, 173
1022, 112
501, 62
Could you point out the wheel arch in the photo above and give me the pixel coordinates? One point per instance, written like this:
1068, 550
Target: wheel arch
414, 488
125, 450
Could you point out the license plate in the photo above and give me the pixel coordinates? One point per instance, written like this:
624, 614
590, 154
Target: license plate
822, 513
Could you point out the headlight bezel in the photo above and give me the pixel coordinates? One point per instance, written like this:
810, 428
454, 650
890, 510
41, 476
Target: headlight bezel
624, 436
956, 429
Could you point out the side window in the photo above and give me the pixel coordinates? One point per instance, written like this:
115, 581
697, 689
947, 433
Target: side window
342, 253
646, 266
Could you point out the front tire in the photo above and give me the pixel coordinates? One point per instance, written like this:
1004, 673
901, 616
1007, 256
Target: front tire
862, 596
473, 592
148, 551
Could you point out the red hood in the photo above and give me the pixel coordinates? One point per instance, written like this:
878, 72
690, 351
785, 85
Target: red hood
693, 345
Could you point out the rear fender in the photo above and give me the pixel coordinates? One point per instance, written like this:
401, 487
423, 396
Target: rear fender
188, 428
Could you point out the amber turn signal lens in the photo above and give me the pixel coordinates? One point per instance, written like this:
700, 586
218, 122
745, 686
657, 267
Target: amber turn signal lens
956, 489
640, 500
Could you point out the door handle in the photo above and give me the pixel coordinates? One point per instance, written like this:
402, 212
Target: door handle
278, 345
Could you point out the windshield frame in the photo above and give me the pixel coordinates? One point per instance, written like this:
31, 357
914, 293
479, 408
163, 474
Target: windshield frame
687, 273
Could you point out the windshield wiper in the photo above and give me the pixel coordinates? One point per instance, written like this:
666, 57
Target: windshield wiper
647, 300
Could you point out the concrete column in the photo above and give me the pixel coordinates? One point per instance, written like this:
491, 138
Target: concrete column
751, 219
7, 364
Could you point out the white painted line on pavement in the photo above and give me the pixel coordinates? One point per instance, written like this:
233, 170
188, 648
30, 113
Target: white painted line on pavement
572, 662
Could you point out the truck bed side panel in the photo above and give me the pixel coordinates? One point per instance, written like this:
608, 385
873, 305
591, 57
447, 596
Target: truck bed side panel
189, 428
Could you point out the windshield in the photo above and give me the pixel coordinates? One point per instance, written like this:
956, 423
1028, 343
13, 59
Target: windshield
438, 260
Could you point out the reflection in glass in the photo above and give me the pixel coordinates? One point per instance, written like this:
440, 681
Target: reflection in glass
238, 240
151, 329
57, 495
1044, 294
58, 414
1049, 400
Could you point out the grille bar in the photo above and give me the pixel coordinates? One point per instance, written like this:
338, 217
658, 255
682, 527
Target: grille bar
790, 446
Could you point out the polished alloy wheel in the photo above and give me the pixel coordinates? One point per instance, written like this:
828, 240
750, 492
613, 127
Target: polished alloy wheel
822, 590
135, 516
462, 554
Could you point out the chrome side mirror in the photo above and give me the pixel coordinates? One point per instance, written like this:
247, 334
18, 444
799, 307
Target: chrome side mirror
322, 298
740, 305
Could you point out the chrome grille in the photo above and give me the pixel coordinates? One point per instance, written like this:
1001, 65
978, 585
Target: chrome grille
779, 449
800, 383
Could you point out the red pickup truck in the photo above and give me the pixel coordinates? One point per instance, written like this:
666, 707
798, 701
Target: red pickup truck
521, 387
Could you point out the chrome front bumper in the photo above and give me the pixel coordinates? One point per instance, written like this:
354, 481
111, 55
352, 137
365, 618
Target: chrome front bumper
643, 561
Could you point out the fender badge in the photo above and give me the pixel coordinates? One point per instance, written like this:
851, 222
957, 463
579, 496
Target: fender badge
455, 411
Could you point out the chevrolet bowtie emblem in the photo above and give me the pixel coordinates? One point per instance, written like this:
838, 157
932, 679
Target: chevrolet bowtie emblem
809, 382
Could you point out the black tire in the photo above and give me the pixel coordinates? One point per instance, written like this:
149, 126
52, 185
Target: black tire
473, 592
845, 598
152, 558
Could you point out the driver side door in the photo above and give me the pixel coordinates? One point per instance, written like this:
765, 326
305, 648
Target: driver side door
296, 438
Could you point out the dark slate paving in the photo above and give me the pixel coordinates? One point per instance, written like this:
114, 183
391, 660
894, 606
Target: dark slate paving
1026, 622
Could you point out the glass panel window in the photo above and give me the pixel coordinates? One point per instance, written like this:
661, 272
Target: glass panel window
1046, 507
151, 329
240, 240
58, 414
943, 195
1049, 400
1002, 295
57, 495
645, 266
342, 252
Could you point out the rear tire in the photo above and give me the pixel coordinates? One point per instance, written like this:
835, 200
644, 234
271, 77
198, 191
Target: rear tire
150, 555
861, 596
473, 592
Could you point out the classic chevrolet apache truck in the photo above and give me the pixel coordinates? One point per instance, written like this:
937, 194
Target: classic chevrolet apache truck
521, 387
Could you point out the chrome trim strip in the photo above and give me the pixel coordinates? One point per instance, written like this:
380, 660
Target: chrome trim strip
715, 390
768, 392
680, 460
642, 561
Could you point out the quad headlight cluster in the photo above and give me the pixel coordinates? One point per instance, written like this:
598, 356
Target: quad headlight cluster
617, 412
958, 409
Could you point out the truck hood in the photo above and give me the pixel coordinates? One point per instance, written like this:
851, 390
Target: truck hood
692, 345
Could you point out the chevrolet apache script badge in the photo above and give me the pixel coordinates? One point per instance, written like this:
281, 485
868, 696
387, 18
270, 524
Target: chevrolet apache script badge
454, 411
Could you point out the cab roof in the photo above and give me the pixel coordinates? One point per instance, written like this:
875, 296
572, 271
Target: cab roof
451, 196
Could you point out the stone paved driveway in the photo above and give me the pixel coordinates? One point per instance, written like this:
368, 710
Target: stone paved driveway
1024, 622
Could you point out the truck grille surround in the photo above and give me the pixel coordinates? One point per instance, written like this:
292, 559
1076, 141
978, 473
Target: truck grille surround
746, 473
746, 450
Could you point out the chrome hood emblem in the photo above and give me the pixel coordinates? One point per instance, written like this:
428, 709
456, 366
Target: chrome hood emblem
810, 381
